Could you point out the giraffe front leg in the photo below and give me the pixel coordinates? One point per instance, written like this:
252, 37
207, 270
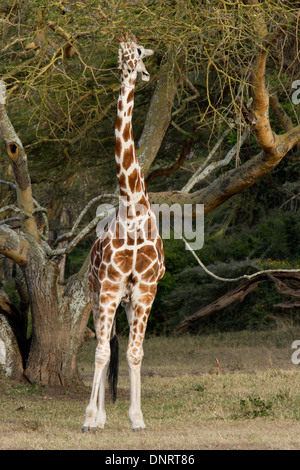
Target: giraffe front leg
137, 321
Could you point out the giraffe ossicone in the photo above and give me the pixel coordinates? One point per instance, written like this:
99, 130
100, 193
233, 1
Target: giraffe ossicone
125, 265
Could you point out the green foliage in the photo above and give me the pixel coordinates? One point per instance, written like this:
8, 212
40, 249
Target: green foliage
254, 407
276, 236
177, 259
76, 259
11, 291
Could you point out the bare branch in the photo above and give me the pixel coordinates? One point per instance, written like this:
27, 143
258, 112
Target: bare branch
249, 277
83, 233
18, 160
9, 220
227, 159
68, 235
168, 171
39, 208
13, 245
266, 138
234, 295
14, 208
203, 171
8, 183
284, 119
274, 148
189, 98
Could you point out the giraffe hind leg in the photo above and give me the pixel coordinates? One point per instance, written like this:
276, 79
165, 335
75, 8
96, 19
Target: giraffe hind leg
95, 415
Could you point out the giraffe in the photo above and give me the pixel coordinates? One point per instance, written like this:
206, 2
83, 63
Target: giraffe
127, 259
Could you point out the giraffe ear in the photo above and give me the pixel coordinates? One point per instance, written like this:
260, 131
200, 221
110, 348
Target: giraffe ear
148, 52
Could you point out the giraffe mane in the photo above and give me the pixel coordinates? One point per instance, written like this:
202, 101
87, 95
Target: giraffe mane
126, 37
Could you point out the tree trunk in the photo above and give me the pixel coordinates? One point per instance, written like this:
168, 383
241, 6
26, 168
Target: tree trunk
11, 361
58, 323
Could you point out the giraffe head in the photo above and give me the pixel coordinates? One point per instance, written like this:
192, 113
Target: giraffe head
130, 59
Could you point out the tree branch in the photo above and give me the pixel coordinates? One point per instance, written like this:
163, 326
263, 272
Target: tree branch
213, 166
13, 245
159, 115
279, 277
284, 119
68, 235
83, 233
39, 208
168, 171
193, 180
227, 185
274, 148
265, 137
18, 160
234, 295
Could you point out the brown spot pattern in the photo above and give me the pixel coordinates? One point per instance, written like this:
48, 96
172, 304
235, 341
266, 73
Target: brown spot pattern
120, 105
127, 157
118, 147
130, 96
127, 132
123, 259
119, 123
145, 255
132, 180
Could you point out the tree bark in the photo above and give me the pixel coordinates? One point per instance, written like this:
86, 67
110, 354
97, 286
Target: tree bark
18, 160
58, 322
159, 115
11, 345
11, 361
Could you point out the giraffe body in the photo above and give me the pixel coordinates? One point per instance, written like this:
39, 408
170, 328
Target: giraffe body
127, 259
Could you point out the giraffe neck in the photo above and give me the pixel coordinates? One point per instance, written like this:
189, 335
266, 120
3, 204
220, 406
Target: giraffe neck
129, 174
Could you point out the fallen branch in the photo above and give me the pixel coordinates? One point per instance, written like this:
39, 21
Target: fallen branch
289, 286
234, 295
287, 304
240, 292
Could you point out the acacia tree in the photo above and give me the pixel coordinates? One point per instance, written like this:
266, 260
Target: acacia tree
210, 74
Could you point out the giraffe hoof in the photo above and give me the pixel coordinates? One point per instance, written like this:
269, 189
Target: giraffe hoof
139, 429
90, 429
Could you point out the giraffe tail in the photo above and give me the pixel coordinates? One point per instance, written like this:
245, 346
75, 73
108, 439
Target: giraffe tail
113, 369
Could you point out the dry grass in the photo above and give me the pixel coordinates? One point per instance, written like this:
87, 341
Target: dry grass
253, 404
